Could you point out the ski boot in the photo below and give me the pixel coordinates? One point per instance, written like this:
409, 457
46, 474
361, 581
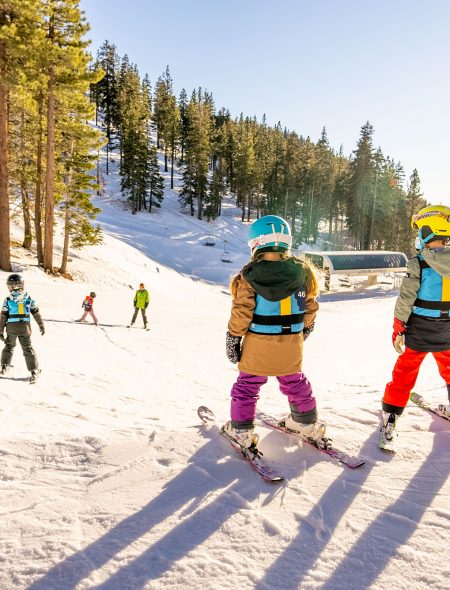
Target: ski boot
313, 432
244, 437
34, 375
388, 434
3, 369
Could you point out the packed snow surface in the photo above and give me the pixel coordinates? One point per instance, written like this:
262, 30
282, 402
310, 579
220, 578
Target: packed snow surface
109, 481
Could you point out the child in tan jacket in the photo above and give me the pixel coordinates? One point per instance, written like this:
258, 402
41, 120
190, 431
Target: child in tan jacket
273, 311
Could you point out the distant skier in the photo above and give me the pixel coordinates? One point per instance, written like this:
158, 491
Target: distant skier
140, 302
88, 307
421, 317
15, 316
273, 311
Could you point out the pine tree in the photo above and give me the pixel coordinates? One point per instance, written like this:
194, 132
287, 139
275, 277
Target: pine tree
163, 111
78, 155
244, 166
156, 181
19, 37
184, 123
67, 65
414, 202
213, 200
361, 187
107, 91
135, 115
198, 149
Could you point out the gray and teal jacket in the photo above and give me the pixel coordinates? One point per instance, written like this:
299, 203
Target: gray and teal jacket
16, 312
280, 288
424, 301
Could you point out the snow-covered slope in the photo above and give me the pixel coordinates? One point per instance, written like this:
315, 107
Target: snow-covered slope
108, 480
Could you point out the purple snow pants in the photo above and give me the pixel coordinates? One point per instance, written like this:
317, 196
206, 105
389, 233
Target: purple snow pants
245, 394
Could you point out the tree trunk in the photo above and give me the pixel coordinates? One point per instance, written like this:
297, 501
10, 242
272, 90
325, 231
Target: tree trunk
199, 207
5, 248
171, 158
65, 253
27, 235
38, 193
50, 171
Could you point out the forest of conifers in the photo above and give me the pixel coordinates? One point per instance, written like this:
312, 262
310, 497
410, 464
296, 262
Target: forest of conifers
52, 91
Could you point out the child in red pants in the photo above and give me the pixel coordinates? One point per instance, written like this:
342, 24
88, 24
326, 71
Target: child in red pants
88, 308
422, 317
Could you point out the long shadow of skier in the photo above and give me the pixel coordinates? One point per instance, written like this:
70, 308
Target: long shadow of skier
83, 323
190, 488
394, 526
290, 568
158, 558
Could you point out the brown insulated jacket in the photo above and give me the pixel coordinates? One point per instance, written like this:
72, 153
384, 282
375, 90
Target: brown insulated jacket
262, 354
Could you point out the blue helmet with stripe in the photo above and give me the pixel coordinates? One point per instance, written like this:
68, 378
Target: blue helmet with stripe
270, 234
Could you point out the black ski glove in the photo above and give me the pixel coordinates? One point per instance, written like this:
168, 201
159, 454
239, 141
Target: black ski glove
307, 331
233, 347
42, 329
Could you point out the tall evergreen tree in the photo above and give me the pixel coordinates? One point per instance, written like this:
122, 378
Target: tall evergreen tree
155, 181
67, 65
361, 187
19, 38
107, 91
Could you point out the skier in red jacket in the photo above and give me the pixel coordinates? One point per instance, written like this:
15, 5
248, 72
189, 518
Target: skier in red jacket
88, 306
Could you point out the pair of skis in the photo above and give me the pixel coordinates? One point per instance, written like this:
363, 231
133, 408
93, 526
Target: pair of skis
31, 380
253, 455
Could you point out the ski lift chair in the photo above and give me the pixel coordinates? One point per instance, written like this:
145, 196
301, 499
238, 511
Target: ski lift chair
226, 256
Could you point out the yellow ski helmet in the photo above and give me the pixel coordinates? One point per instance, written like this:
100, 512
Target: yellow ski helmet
436, 217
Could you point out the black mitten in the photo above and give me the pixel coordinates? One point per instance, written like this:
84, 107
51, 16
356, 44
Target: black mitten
233, 346
307, 331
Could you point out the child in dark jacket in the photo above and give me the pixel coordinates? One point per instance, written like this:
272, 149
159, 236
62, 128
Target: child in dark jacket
15, 317
273, 311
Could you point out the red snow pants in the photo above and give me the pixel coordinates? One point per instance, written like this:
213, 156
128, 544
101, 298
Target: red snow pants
405, 373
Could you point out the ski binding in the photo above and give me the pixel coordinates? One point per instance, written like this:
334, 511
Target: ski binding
324, 446
252, 455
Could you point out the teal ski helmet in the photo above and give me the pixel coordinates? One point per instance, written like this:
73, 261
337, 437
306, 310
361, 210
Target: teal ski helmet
270, 234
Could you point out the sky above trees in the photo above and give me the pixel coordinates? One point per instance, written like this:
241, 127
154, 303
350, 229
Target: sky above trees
336, 63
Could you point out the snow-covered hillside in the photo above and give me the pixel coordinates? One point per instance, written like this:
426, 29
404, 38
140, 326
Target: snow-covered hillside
109, 481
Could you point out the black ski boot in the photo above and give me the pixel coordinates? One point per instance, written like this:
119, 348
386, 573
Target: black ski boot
34, 375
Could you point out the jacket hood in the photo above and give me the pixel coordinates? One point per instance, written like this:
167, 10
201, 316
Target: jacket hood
438, 259
18, 296
276, 280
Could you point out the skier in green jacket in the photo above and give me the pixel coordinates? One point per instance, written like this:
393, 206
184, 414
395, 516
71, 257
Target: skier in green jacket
140, 302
